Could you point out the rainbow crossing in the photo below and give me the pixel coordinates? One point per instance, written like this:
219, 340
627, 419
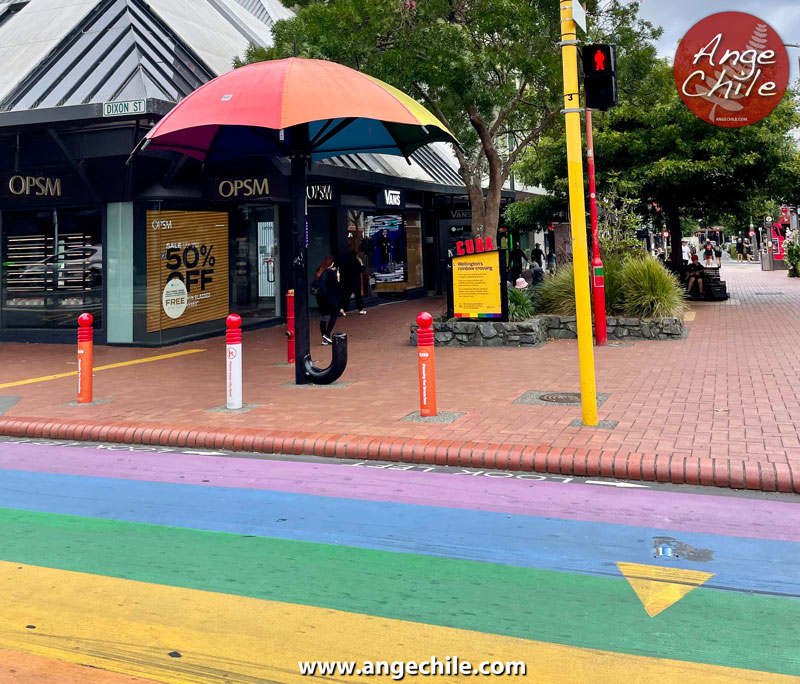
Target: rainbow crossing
117, 560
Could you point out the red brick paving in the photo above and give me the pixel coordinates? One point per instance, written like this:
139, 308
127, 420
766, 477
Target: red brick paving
726, 393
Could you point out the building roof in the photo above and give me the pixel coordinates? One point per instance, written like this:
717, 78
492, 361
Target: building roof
58, 53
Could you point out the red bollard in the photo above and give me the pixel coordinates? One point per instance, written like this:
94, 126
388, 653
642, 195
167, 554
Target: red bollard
233, 354
290, 326
85, 357
427, 367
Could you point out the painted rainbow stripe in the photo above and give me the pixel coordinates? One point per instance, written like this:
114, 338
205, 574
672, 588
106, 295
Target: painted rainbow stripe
178, 568
483, 315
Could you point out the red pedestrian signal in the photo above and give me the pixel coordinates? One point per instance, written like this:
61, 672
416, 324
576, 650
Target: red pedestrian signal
599, 76
599, 61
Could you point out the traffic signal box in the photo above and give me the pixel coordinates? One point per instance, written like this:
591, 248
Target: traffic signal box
599, 76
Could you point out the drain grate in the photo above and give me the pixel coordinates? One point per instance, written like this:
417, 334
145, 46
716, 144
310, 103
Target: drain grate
550, 397
767, 294
561, 397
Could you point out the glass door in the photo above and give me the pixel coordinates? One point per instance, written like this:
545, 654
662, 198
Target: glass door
255, 267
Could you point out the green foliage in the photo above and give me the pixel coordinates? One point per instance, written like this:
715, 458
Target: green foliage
649, 290
557, 292
612, 272
533, 214
521, 304
625, 248
792, 257
732, 250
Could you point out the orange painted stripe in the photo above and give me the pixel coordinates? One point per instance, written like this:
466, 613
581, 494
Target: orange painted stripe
24, 668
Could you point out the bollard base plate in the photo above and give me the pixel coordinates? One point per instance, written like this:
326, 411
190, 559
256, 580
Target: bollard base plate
440, 417
94, 402
224, 409
601, 424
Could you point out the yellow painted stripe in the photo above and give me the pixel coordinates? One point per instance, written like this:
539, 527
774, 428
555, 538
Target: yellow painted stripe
24, 668
132, 627
120, 364
688, 316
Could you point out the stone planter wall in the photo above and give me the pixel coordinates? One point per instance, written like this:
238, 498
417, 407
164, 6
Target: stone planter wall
537, 330
566, 328
531, 333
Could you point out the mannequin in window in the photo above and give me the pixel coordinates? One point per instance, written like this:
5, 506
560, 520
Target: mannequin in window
385, 250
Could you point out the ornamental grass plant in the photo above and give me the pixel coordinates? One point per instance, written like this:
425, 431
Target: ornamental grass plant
635, 288
557, 293
649, 290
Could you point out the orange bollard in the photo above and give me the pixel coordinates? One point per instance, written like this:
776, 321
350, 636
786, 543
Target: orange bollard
427, 368
290, 326
85, 357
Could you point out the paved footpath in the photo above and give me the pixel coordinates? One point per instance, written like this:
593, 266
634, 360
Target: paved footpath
720, 407
129, 567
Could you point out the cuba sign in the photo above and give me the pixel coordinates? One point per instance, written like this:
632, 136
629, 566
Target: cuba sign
731, 69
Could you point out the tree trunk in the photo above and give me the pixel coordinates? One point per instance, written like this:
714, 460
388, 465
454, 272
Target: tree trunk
673, 217
478, 208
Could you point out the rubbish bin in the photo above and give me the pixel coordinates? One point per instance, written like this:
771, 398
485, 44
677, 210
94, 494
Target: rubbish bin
766, 261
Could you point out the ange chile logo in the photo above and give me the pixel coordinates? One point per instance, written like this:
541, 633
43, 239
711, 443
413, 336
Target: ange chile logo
731, 69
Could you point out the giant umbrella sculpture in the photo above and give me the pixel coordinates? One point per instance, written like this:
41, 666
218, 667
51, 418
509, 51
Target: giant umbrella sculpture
306, 110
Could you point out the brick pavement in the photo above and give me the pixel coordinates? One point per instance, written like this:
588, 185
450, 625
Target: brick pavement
717, 408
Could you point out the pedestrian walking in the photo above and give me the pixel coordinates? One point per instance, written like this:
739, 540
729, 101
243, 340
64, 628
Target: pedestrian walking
685, 254
325, 287
748, 249
660, 255
718, 254
352, 268
739, 251
708, 254
551, 262
537, 254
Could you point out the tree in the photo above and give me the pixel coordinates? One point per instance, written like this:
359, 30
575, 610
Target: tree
488, 69
666, 154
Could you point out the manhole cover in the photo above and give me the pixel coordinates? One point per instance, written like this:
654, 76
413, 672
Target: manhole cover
561, 397
767, 294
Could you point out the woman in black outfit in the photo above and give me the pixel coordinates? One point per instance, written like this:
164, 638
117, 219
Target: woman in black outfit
352, 268
327, 293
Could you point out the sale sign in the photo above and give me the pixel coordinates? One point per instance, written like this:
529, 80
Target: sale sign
731, 69
187, 268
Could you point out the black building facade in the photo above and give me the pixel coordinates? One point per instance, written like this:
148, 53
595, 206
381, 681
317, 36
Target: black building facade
160, 248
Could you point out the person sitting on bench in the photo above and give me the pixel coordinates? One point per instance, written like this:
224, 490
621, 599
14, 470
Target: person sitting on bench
694, 273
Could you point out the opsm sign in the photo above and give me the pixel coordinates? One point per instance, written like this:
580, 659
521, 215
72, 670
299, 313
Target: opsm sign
731, 69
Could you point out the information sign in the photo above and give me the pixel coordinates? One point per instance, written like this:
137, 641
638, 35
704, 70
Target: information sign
478, 286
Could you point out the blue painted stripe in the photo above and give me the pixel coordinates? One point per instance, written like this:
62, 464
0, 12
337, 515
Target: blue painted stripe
747, 564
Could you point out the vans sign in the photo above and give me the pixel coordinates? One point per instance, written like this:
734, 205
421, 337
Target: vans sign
391, 199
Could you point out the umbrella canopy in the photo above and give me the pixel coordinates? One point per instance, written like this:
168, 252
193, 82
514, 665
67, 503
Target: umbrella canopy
251, 111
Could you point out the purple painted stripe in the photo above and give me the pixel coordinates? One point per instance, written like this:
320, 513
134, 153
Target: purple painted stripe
709, 514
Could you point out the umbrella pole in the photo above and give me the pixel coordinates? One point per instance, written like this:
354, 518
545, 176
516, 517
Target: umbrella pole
297, 189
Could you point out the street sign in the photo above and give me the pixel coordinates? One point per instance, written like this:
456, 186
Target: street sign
579, 15
665, 234
125, 107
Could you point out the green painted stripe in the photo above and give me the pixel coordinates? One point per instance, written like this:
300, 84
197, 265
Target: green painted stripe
708, 626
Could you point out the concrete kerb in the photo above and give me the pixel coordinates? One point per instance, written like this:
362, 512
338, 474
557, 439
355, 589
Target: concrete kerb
763, 476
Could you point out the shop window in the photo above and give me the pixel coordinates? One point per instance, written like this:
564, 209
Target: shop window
390, 245
52, 268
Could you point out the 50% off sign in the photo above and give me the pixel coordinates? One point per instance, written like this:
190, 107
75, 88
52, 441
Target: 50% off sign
192, 264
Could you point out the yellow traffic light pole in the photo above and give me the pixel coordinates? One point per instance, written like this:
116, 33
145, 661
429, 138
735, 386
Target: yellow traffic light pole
577, 207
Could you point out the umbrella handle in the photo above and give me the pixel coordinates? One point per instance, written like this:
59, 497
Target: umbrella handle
325, 376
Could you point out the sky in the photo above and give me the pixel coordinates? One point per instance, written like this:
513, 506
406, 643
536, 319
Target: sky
676, 17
